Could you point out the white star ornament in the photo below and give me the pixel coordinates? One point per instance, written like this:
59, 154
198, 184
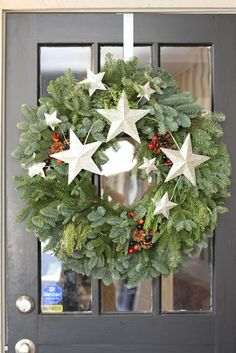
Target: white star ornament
78, 157
52, 120
146, 91
164, 205
37, 169
148, 165
184, 161
94, 81
123, 118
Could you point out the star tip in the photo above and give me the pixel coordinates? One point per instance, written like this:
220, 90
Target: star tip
137, 140
70, 181
167, 179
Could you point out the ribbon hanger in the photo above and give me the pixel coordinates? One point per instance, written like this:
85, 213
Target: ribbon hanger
128, 36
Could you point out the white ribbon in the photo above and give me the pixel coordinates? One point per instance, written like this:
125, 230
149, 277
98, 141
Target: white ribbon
128, 36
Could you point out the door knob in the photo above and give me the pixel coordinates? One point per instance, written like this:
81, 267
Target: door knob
25, 346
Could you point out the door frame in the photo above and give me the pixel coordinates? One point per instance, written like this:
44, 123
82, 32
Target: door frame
156, 6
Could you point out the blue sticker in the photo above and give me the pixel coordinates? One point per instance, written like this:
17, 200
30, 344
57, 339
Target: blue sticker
51, 294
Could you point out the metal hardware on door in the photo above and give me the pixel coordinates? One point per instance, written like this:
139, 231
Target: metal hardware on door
25, 346
25, 304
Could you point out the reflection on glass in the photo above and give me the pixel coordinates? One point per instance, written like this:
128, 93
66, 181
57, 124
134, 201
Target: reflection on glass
62, 290
191, 68
143, 53
124, 188
118, 298
54, 61
191, 287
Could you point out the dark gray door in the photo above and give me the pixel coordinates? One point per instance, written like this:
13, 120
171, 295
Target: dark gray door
190, 312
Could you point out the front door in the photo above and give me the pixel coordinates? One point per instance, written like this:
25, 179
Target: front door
191, 311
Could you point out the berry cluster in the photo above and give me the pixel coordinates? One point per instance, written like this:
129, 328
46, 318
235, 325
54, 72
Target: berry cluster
56, 146
158, 141
141, 240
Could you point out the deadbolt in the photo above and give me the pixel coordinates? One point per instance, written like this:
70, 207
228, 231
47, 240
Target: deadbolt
25, 346
25, 304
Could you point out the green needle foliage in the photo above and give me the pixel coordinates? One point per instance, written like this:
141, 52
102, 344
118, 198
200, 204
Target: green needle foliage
90, 234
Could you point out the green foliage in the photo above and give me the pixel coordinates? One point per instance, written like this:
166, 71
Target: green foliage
90, 234
74, 237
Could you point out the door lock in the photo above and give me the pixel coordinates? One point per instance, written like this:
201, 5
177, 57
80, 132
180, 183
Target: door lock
25, 346
25, 304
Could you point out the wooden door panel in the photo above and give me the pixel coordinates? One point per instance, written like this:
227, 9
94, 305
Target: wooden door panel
164, 333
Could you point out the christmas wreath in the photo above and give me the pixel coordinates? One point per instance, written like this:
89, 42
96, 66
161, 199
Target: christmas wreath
178, 148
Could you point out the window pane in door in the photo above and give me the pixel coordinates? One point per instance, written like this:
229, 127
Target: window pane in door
124, 188
55, 60
142, 52
62, 290
190, 289
191, 67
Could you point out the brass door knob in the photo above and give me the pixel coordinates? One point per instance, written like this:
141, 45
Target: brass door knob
25, 346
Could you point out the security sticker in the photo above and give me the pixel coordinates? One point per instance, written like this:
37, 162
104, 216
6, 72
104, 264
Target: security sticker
51, 294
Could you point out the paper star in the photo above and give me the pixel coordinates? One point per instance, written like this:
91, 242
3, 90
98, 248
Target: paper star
164, 205
94, 81
123, 119
78, 157
148, 165
52, 120
37, 169
184, 161
146, 91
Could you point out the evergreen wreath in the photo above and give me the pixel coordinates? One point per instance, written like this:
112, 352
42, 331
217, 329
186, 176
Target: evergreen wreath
107, 240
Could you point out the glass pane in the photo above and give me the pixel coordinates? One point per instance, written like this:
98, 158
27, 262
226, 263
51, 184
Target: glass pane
62, 290
191, 68
191, 287
118, 298
54, 61
124, 188
143, 53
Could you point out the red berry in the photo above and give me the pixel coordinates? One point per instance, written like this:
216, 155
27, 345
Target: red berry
140, 221
168, 161
59, 161
154, 139
150, 146
131, 214
131, 251
136, 247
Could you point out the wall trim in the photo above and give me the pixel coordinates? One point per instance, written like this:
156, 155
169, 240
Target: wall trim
170, 6
157, 6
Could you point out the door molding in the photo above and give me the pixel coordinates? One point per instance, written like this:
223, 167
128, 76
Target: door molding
157, 6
